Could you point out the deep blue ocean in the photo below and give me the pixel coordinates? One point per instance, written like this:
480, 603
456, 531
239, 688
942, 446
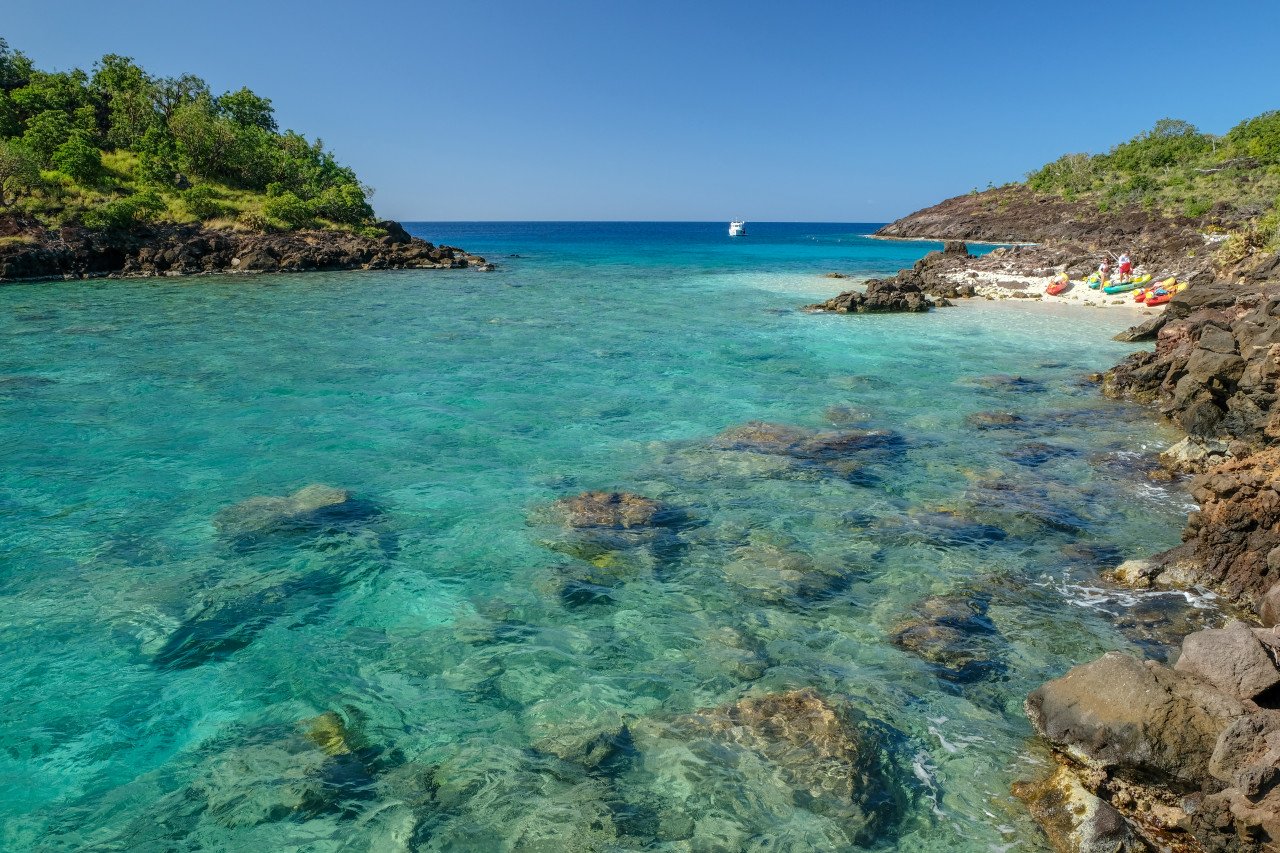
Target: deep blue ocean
191, 659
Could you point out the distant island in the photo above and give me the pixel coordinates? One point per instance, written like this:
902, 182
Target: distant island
118, 172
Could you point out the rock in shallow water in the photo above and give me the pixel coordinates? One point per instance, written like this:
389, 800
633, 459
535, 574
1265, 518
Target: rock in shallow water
796, 748
314, 508
1074, 820
953, 633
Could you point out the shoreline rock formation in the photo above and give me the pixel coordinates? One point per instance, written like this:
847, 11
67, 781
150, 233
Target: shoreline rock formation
30, 251
1189, 755
912, 290
1151, 756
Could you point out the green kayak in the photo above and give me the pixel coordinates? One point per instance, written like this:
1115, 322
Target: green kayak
1121, 288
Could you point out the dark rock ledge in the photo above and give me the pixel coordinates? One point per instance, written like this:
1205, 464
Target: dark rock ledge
29, 251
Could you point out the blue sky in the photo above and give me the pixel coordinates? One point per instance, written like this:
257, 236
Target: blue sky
817, 111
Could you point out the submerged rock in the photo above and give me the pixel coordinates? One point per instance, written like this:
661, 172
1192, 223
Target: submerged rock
1010, 383
995, 420
616, 535
611, 509
842, 453
1033, 454
953, 633
795, 747
314, 508
775, 572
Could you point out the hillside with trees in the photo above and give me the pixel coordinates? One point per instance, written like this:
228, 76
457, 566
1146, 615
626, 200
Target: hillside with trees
116, 147
1229, 183
1186, 201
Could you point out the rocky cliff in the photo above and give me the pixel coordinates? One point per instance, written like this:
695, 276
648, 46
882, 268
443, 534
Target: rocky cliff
30, 251
1073, 236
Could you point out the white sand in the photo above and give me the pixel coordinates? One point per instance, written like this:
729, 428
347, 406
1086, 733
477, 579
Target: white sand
1002, 285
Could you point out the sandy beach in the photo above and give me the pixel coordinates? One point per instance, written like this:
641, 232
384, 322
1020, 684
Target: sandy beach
1002, 285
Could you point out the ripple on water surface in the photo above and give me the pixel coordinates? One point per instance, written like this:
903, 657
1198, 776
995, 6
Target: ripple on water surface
811, 626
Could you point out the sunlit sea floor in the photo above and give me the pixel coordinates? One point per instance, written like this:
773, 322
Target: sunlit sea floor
409, 679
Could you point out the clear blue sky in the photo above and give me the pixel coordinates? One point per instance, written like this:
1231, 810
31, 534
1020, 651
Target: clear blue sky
594, 109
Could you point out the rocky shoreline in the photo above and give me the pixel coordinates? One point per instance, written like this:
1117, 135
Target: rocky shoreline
1181, 757
31, 251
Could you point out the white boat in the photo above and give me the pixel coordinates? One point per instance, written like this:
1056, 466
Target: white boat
737, 229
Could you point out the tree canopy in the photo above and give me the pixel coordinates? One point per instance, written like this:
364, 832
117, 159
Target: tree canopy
119, 131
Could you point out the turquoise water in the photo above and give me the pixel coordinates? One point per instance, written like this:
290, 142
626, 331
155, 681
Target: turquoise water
162, 678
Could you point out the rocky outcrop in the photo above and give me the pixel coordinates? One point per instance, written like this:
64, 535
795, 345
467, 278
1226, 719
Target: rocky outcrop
1216, 367
1190, 754
912, 290
34, 252
880, 297
1069, 235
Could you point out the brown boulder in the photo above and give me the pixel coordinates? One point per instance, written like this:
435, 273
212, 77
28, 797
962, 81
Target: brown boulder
1141, 721
610, 509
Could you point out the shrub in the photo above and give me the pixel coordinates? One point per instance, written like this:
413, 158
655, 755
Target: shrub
125, 212
288, 209
1196, 207
253, 220
79, 159
201, 201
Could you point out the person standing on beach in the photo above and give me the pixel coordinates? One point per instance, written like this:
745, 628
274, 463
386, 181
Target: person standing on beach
1103, 269
1125, 269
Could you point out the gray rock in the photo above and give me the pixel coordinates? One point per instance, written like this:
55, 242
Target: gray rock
1269, 607
1230, 659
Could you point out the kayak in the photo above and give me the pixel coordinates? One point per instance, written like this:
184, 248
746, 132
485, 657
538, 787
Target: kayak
1141, 294
1141, 279
1094, 282
1057, 287
1120, 288
1160, 297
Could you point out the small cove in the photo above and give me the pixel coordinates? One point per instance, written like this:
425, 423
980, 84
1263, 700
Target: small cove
452, 630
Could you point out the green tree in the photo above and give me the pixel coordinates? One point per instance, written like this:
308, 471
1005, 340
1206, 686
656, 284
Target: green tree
1258, 137
158, 156
10, 124
204, 140
127, 93
15, 68
248, 109
45, 132
19, 171
79, 159
172, 92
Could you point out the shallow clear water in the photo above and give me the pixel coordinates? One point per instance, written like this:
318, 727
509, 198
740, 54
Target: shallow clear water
161, 680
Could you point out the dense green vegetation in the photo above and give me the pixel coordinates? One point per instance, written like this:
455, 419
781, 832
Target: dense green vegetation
1230, 182
117, 147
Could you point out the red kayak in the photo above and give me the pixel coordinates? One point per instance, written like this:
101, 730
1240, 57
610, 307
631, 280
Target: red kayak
1056, 287
1160, 297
